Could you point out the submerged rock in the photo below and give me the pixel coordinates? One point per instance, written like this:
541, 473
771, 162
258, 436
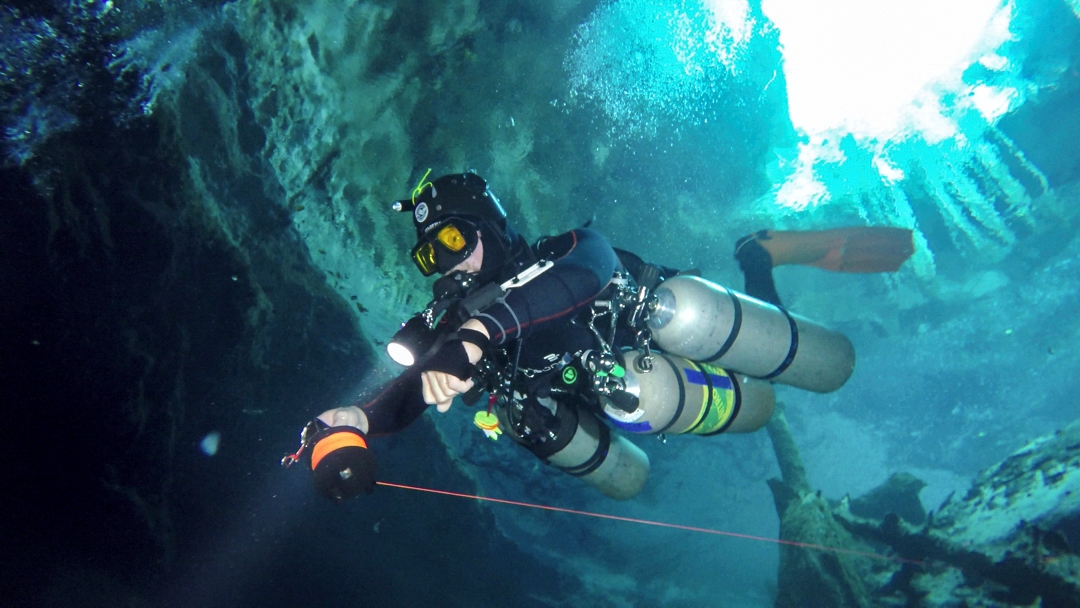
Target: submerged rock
1009, 541
899, 495
808, 577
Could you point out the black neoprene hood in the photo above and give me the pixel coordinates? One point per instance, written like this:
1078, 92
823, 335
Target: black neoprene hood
457, 194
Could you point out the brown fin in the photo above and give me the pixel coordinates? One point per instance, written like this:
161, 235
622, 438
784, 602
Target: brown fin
858, 249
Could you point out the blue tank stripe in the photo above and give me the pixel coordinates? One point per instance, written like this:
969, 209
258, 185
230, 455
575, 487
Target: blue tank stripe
695, 377
632, 427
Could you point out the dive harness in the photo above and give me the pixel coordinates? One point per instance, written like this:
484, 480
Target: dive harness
341, 462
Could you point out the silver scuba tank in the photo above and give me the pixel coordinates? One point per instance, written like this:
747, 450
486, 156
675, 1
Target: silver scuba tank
586, 448
623, 468
703, 321
677, 395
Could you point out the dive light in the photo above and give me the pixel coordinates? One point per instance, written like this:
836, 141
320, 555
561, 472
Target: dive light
414, 340
457, 296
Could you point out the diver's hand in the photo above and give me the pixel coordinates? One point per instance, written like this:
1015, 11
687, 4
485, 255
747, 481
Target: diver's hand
349, 415
450, 369
440, 388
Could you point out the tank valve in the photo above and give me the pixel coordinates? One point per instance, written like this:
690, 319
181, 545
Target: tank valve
644, 363
602, 364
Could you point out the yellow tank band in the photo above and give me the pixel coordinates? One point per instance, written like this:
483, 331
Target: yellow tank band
718, 401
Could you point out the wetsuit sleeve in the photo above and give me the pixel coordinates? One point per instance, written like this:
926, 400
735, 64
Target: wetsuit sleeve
641, 270
398, 404
584, 263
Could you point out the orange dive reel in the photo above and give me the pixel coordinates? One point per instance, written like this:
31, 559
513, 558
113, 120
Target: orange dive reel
341, 462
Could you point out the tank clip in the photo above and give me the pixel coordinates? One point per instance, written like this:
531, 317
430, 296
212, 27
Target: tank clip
641, 303
307, 437
644, 363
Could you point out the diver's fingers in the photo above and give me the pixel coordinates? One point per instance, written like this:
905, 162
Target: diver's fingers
451, 386
428, 388
440, 388
444, 395
458, 385
436, 389
443, 392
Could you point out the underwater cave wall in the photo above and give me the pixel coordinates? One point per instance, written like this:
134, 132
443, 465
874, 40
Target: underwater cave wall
146, 317
154, 291
358, 99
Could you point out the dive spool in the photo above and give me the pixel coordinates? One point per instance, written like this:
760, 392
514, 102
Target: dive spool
584, 447
677, 395
341, 462
703, 321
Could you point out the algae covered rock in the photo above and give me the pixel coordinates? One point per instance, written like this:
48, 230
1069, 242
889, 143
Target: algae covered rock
1009, 541
899, 495
810, 577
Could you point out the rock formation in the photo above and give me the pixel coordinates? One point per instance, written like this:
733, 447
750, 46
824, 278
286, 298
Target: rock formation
1009, 541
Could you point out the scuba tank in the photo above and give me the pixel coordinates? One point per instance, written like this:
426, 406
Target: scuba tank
677, 395
578, 444
703, 321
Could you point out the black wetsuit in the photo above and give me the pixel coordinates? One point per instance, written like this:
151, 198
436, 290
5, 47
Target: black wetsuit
539, 318
536, 316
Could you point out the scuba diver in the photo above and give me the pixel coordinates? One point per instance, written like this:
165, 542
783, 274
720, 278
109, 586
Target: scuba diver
570, 337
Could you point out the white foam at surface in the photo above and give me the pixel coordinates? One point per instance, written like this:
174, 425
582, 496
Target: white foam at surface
863, 67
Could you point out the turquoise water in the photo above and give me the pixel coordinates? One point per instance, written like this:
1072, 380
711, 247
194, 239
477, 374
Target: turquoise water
676, 126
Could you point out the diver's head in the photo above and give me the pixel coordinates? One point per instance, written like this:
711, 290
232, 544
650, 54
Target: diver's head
460, 225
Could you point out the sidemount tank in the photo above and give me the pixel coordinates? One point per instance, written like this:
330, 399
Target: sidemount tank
703, 321
676, 395
584, 447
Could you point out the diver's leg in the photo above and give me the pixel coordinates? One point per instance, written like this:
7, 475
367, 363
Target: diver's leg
757, 264
858, 249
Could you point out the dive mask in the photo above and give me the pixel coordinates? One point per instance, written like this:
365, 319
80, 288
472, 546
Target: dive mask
445, 245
